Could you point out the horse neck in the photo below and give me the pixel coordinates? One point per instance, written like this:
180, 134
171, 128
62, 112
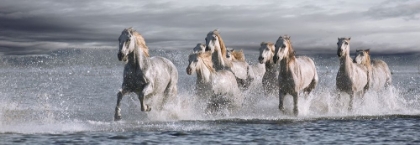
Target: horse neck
219, 61
270, 65
346, 62
287, 62
204, 75
138, 59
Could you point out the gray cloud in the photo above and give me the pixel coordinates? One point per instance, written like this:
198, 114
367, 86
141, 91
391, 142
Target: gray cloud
390, 9
31, 27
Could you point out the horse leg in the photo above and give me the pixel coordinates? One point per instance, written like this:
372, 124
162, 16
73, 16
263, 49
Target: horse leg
295, 103
170, 93
120, 95
281, 100
147, 90
309, 89
351, 101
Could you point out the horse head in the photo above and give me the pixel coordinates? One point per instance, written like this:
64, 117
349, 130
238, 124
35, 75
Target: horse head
282, 48
266, 52
343, 46
214, 41
199, 48
197, 61
126, 43
229, 54
362, 56
193, 63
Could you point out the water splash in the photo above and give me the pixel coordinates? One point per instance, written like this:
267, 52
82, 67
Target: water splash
80, 96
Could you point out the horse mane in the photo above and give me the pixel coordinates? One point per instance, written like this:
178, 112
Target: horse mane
269, 44
206, 57
291, 50
140, 40
367, 61
238, 55
221, 43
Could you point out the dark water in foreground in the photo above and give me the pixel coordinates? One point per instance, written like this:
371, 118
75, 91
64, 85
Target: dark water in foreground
69, 97
397, 129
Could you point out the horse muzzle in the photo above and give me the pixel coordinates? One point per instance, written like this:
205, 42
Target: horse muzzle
261, 59
121, 57
339, 54
275, 58
189, 71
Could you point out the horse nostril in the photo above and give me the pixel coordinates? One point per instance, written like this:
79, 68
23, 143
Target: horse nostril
189, 71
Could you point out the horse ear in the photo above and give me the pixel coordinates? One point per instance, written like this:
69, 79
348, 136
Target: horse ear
349, 38
368, 51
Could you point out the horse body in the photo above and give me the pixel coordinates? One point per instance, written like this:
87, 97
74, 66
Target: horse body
380, 75
215, 44
351, 78
270, 80
254, 72
153, 79
218, 87
296, 73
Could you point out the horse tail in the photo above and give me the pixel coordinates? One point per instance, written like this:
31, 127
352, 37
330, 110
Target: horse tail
171, 89
314, 81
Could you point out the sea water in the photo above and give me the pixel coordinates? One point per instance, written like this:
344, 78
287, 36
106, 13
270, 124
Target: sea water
69, 96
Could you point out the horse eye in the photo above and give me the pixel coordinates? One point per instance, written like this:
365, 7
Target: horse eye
346, 43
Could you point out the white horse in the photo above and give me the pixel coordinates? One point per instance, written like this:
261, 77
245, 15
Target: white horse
255, 72
219, 87
199, 48
215, 44
351, 78
380, 75
153, 79
270, 80
296, 73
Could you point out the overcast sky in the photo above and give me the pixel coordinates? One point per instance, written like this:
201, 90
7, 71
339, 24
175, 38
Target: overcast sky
28, 26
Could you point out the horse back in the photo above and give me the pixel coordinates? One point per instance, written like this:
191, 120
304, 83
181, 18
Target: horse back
163, 70
380, 65
381, 73
240, 69
224, 81
307, 68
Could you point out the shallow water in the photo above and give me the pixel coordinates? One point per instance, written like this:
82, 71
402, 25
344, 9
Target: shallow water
69, 97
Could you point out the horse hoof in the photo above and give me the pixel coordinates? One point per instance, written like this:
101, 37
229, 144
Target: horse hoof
117, 118
295, 113
281, 108
148, 108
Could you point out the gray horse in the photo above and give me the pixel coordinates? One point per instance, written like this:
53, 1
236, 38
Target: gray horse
352, 78
296, 73
240, 69
270, 80
153, 79
219, 88
380, 75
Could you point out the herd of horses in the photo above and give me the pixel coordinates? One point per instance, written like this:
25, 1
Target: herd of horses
222, 73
